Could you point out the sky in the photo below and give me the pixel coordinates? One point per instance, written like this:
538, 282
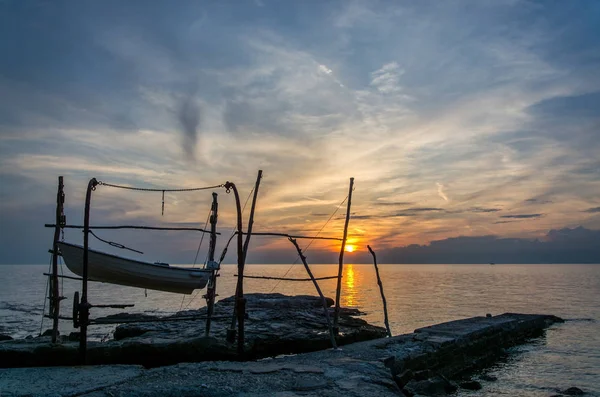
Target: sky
456, 118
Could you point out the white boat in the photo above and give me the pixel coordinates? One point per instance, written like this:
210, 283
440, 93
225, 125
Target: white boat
114, 269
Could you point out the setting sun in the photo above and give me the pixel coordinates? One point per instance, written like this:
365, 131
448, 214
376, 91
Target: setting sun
349, 248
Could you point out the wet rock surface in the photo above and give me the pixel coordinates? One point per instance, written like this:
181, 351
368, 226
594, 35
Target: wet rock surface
276, 324
436, 354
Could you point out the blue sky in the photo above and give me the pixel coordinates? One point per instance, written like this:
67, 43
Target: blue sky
457, 118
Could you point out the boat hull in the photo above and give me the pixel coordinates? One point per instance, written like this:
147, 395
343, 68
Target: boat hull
114, 269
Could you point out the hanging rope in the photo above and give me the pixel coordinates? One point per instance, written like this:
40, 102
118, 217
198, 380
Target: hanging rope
309, 244
233, 233
117, 245
143, 189
201, 239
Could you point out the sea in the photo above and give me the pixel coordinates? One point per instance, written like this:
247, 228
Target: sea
568, 355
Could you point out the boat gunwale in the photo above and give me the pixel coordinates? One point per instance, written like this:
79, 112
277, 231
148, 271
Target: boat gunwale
135, 260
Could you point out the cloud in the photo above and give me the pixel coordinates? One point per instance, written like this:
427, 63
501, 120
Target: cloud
440, 191
393, 203
497, 104
483, 210
189, 117
578, 245
387, 79
538, 201
592, 210
522, 216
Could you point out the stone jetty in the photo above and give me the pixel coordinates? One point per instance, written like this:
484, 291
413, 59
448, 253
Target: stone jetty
431, 361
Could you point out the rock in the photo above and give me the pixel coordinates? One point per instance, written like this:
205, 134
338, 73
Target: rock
48, 332
422, 375
488, 378
310, 384
470, 385
5, 337
573, 391
277, 324
435, 386
403, 378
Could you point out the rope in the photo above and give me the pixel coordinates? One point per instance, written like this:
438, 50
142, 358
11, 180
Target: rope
201, 239
143, 189
117, 245
233, 233
311, 241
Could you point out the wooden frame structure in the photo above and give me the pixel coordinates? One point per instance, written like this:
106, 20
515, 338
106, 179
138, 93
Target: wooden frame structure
82, 307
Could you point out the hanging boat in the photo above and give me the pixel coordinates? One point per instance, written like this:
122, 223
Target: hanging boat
114, 269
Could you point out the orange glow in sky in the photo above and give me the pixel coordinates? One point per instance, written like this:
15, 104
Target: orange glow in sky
350, 248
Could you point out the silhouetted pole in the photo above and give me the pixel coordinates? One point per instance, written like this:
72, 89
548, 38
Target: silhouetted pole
341, 261
211, 291
54, 295
251, 218
84, 306
240, 307
323, 300
240, 304
385, 312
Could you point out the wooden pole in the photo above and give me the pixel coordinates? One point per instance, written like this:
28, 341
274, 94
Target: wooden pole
316, 284
239, 308
54, 293
251, 218
84, 306
385, 312
341, 261
211, 291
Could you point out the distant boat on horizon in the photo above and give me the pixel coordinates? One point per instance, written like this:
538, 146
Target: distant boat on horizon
492, 263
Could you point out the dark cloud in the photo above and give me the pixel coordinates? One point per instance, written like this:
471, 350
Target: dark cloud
538, 201
593, 210
189, 117
393, 203
578, 245
522, 216
483, 210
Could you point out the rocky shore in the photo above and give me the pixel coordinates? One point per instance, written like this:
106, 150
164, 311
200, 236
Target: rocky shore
432, 361
276, 324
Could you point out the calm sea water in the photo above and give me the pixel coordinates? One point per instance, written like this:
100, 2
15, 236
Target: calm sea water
418, 295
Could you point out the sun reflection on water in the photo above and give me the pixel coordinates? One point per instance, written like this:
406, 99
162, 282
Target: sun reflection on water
349, 289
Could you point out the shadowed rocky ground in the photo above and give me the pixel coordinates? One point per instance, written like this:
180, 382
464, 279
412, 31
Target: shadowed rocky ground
276, 324
432, 361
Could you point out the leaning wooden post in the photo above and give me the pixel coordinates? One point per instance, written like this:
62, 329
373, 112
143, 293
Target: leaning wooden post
240, 303
211, 291
323, 300
251, 218
341, 261
385, 312
84, 306
54, 295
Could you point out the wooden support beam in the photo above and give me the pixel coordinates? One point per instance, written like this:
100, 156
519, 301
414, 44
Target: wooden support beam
54, 293
385, 311
341, 260
211, 289
84, 306
323, 301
